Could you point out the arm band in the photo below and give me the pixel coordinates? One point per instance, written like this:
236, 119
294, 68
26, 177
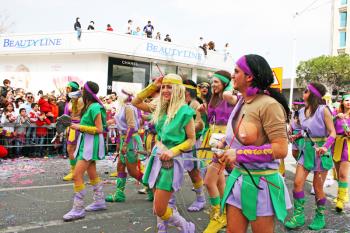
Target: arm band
186, 145
129, 134
88, 129
298, 135
252, 154
329, 142
150, 89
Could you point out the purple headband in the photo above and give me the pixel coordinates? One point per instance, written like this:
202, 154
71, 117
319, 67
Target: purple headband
86, 87
242, 64
314, 91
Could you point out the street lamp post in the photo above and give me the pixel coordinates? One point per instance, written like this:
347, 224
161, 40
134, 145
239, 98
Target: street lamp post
294, 59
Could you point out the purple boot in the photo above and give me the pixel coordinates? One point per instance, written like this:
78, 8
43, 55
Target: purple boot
78, 210
199, 203
162, 226
99, 199
180, 223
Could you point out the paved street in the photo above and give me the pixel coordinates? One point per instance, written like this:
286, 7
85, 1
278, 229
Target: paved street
33, 198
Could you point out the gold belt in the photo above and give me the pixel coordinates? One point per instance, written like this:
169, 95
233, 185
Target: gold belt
316, 139
124, 136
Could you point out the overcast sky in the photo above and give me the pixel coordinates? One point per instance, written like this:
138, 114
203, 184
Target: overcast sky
250, 26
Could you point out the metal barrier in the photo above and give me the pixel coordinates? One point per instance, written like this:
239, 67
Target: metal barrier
28, 143
31, 140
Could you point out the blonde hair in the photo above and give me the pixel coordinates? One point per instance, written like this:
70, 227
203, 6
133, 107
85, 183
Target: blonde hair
177, 99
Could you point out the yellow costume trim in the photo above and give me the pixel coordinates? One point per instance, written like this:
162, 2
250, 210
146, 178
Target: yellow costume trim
171, 81
186, 145
338, 147
149, 90
282, 168
124, 136
88, 129
168, 213
198, 184
71, 136
95, 181
205, 143
78, 188
190, 87
255, 152
316, 139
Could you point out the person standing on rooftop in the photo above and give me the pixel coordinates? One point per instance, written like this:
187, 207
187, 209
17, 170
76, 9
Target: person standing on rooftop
109, 28
91, 26
148, 29
77, 27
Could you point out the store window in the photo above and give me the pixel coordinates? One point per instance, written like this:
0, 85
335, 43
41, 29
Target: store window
185, 73
159, 69
127, 73
204, 75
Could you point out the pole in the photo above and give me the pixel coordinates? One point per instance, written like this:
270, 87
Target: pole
294, 58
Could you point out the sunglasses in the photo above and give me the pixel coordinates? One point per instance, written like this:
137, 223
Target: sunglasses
204, 87
306, 91
30, 97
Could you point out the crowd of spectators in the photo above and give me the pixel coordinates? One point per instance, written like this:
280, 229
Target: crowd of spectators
148, 31
26, 119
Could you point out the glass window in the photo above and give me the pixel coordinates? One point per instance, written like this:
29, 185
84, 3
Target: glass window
185, 73
342, 39
343, 19
204, 76
126, 76
164, 69
343, 2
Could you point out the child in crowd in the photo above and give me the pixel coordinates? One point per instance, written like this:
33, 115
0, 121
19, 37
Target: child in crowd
110, 111
33, 117
9, 116
41, 131
43, 120
22, 122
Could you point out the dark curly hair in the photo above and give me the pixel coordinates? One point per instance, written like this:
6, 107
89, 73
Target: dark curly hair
263, 78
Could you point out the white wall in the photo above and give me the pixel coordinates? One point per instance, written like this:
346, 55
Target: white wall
112, 43
52, 72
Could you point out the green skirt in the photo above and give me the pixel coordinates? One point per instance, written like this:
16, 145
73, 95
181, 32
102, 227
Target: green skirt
134, 144
242, 193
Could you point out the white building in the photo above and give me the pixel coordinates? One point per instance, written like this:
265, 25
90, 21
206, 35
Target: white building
341, 27
47, 61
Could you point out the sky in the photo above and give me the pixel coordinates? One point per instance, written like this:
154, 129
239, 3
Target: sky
249, 26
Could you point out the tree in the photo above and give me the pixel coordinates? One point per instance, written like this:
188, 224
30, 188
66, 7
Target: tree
332, 71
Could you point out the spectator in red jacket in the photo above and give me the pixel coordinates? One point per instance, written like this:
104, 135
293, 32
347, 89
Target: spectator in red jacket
44, 104
42, 123
54, 109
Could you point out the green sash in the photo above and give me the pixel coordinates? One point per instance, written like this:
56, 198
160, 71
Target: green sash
310, 154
